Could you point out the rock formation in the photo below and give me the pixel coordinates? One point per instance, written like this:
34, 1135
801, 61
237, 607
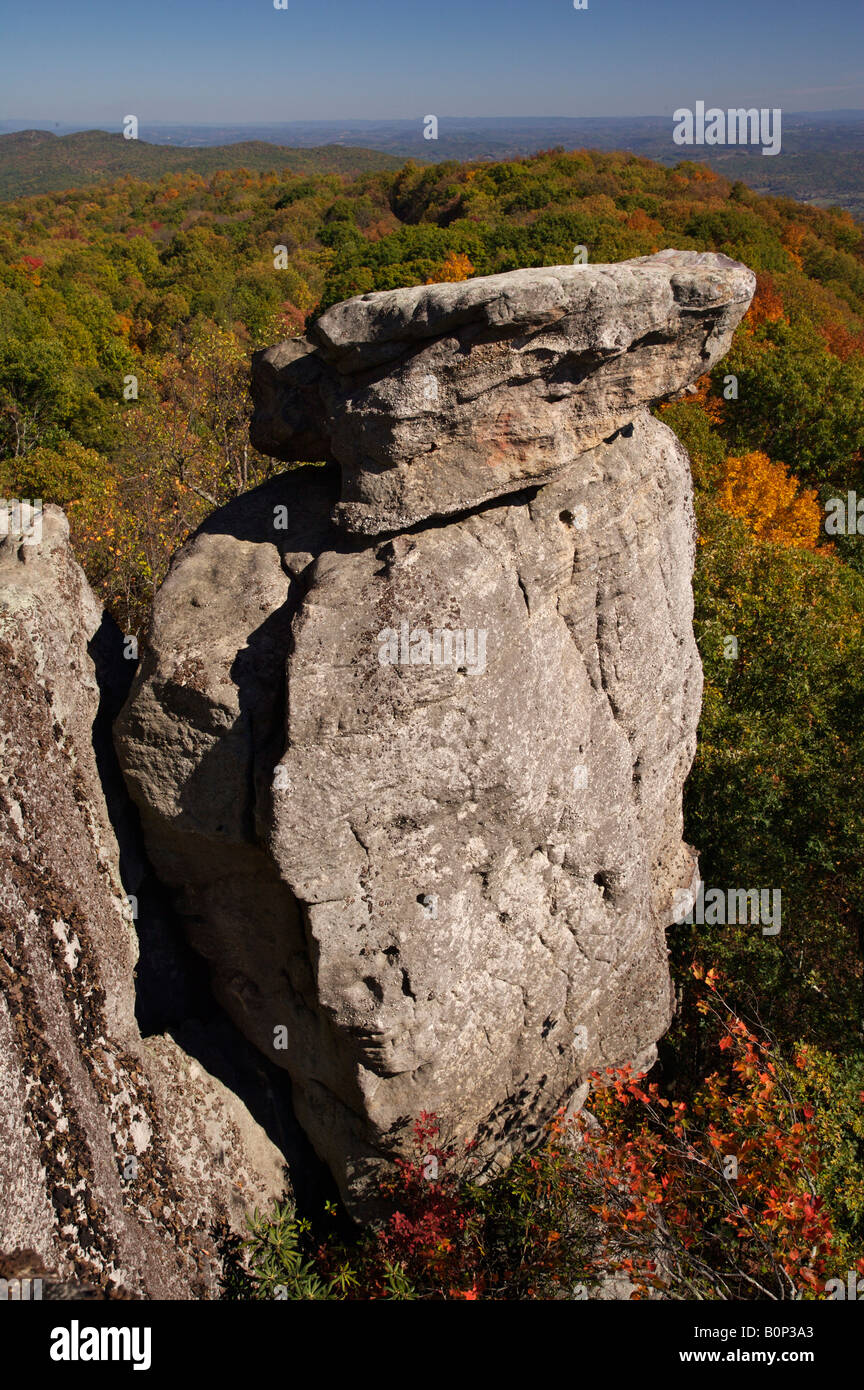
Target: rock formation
120, 1158
409, 738
436, 399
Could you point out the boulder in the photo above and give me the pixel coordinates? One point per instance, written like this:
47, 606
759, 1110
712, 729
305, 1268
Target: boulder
121, 1158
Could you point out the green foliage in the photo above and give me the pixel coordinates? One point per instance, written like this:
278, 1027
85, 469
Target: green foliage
705, 446
279, 1250
829, 1091
799, 402
38, 161
62, 474
281, 1269
776, 795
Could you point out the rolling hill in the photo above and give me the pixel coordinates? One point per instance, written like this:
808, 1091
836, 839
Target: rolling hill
37, 161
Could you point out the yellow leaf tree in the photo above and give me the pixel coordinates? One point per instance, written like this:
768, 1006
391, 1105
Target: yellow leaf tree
457, 266
770, 501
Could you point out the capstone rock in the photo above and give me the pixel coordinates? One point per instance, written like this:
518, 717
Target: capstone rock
438, 398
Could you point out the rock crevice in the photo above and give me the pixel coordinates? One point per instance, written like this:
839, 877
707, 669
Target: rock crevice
122, 1156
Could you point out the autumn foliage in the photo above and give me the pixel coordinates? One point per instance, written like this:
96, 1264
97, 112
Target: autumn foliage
767, 303
764, 495
456, 266
719, 1196
172, 283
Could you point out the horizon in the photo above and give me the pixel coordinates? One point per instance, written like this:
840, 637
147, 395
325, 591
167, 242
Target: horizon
12, 125
177, 64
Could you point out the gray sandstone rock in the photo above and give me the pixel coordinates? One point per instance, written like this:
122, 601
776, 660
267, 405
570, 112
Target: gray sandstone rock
419, 797
433, 879
438, 398
119, 1156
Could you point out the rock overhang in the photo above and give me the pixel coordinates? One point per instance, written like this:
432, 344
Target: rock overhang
438, 398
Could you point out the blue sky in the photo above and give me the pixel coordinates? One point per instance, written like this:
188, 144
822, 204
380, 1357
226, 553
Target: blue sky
235, 61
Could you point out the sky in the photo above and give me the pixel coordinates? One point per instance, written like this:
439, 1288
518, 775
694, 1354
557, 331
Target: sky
243, 61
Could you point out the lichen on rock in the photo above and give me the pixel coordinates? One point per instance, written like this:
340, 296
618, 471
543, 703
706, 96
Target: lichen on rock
120, 1155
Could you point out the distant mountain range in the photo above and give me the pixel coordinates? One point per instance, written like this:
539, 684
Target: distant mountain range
821, 160
37, 161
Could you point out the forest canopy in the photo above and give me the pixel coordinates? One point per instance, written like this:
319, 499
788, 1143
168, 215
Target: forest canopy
128, 313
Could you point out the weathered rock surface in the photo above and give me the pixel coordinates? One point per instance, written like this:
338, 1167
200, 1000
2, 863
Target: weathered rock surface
437, 398
119, 1157
419, 797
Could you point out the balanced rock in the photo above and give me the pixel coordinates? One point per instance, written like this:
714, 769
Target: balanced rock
419, 796
437, 398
